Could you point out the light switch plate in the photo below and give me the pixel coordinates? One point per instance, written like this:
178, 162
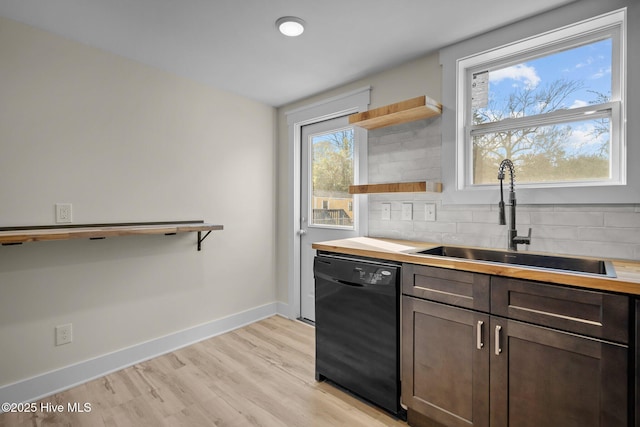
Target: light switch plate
407, 211
430, 212
386, 212
63, 212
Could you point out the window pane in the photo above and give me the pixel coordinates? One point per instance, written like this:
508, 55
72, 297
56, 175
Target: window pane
571, 78
577, 151
332, 173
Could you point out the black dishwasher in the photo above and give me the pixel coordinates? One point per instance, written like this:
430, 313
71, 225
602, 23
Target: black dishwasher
358, 327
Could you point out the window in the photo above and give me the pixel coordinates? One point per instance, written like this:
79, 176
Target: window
551, 103
332, 172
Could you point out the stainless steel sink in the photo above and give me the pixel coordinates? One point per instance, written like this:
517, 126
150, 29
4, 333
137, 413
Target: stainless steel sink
558, 263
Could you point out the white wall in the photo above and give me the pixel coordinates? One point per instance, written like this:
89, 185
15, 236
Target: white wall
124, 142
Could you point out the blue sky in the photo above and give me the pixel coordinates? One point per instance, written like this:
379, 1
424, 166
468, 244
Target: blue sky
590, 64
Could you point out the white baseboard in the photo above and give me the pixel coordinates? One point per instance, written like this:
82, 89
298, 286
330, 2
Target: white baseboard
40, 386
283, 309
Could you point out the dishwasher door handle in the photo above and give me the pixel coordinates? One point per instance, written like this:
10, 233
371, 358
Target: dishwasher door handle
332, 279
355, 285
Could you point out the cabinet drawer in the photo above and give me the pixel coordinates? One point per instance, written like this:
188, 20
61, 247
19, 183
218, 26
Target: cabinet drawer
592, 313
459, 288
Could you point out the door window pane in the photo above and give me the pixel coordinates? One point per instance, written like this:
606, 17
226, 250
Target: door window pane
332, 173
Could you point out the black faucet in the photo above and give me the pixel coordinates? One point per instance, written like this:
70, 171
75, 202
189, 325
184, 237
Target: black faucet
513, 238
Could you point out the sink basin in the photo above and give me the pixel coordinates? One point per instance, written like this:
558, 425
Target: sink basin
558, 263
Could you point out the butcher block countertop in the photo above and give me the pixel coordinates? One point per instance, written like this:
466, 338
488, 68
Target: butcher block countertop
627, 272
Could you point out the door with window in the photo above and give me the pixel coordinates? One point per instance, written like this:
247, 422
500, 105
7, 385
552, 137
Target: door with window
328, 212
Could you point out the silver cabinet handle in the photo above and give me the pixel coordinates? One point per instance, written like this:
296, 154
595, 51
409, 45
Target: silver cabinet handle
479, 343
498, 348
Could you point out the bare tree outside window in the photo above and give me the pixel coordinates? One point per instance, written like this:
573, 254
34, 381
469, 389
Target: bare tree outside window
520, 119
332, 173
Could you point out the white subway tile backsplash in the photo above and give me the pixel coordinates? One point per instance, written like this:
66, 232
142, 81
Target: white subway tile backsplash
541, 232
382, 149
447, 215
426, 236
593, 249
409, 156
622, 219
480, 228
466, 239
387, 172
575, 218
489, 217
533, 208
411, 152
469, 208
595, 208
610, 234
434, 226
500, 242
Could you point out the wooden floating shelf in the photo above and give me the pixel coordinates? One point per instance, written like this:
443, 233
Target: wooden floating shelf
410, 110
397, 187
19, 235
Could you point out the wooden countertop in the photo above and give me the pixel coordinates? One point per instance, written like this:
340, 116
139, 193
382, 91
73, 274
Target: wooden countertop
627, 280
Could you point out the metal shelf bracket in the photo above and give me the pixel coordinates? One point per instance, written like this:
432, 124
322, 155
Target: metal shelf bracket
201, 239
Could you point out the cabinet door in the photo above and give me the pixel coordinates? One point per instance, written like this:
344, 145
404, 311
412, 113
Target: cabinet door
445, 363
545, 377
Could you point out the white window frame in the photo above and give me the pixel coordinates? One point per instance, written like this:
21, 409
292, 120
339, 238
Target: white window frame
611, 25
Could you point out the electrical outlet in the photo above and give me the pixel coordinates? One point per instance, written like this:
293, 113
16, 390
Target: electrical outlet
407, 211
430, 212
63, 212
386, 211
64, 334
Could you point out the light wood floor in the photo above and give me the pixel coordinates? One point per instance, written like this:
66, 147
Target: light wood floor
259, 375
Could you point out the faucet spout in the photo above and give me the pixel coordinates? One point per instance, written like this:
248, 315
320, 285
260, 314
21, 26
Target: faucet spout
503, 221
513, 238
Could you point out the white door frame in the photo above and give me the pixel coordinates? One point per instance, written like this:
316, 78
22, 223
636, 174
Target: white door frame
353, 102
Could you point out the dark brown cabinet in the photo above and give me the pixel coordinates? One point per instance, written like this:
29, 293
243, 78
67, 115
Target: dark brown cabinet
544, 377
445, 376
542, 354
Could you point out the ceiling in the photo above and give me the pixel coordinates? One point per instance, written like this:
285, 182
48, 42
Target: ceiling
233, 44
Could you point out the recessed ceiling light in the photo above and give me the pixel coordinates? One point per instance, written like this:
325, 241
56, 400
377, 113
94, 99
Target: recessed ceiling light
290, 26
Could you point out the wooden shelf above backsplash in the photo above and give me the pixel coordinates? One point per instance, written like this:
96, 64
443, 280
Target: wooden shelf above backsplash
397, 187
410, 110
